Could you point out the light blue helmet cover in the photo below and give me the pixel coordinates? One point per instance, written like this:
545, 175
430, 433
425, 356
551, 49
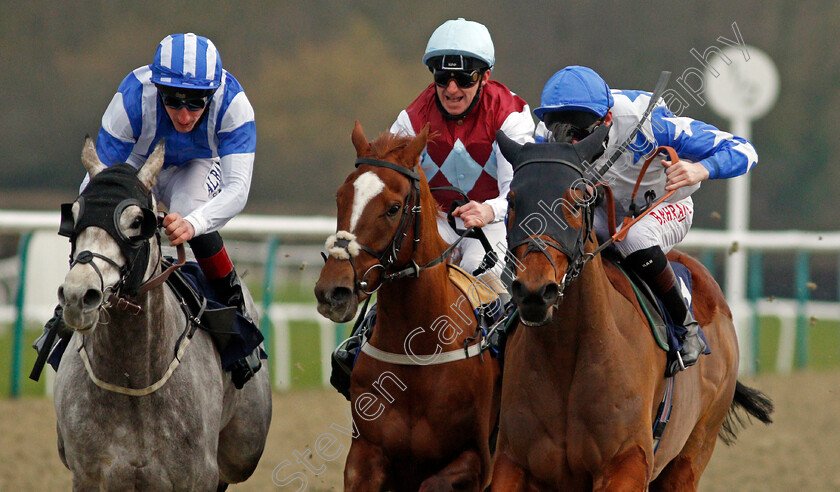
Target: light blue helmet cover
188, 61
461, 37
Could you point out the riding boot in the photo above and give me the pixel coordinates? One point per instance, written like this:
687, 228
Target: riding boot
244, 369
693, 344
229, 291
653, 267
344, 356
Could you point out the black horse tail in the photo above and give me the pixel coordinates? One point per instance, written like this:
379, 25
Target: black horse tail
753, 402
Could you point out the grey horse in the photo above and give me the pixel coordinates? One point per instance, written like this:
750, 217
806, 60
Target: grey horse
131, 414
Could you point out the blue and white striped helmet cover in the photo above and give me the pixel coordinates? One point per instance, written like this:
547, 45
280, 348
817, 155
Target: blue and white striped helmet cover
188, 61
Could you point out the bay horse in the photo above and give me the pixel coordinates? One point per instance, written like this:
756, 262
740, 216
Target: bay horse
142, 403
583, 376
420, 424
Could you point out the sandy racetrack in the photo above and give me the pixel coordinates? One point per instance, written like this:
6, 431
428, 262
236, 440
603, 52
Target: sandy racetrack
800, 451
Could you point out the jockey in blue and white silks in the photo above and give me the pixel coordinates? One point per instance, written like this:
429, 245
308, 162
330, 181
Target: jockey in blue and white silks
722, 154
574, 102
222, 143
186, 97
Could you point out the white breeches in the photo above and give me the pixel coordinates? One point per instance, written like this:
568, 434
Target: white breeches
664, 226
185, 188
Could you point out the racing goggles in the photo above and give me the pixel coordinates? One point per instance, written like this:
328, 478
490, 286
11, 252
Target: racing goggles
193, 100
191, 103
464, 79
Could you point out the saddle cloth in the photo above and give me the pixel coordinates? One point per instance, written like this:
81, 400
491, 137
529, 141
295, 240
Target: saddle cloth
667, 333
236, 336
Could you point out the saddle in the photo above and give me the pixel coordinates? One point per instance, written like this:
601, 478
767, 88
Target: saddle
483, 297
234, 334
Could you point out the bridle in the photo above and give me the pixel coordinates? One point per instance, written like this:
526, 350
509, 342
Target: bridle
346, 242
136, 249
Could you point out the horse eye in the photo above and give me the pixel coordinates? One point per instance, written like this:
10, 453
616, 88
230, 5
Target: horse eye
137, 222
394, 210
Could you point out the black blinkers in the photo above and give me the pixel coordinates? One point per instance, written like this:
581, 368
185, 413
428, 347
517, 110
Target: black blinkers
101, 204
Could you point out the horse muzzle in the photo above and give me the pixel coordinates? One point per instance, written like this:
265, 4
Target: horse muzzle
81, 307
536, 304
336, 302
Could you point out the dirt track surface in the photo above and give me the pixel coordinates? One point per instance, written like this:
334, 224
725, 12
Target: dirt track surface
800, 451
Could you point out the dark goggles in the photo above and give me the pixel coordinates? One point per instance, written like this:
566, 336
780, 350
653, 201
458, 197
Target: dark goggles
581, 133
578, 124
191, 103
463, 78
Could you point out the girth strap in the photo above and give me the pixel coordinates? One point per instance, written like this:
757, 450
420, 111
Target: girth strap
419, 360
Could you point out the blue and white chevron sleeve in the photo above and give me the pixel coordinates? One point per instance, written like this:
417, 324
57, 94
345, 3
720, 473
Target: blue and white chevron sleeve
722, 153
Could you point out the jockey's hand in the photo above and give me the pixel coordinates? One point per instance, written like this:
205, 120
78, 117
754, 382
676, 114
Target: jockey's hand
475, 214
683, 173
177, 229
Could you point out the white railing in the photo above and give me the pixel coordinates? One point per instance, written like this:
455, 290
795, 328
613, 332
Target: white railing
316, 228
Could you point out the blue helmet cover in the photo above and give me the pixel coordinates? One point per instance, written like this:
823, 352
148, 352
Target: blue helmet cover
575, 88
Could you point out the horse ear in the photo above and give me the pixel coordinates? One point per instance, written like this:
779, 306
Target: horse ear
89, 158
592, 147
148, 173
509, 147
416, 146
360, 141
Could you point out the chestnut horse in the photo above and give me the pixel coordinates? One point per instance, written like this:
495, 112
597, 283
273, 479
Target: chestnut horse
422, 424
583, 377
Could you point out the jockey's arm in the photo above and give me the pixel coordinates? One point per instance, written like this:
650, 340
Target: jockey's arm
237, 143
705, 151
519, 127
237, 170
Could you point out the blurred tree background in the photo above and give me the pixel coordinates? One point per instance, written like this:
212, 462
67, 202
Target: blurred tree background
310, 68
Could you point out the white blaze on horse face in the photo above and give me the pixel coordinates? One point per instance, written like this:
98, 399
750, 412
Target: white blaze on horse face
366, 186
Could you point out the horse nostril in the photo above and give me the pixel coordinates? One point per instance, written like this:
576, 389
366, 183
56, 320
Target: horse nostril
550, 293
517, 290
61, 300
92, 299
340, 295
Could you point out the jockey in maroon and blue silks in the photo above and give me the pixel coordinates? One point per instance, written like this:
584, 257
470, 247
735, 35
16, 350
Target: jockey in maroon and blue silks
465, 110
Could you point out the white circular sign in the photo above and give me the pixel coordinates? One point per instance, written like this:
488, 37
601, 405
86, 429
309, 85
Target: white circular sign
739, 88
